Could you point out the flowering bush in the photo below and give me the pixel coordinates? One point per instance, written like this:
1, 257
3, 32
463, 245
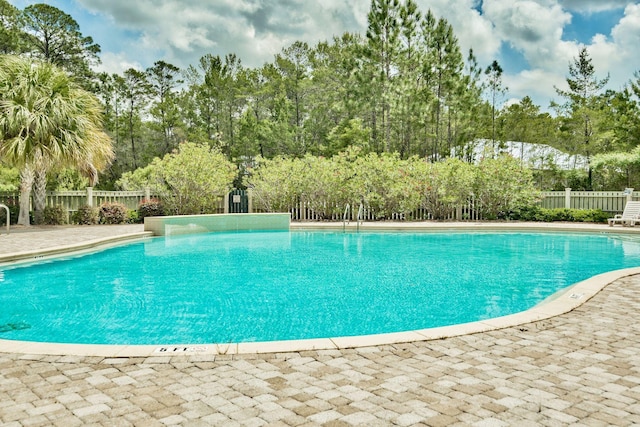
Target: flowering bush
86, 215
55, 215
151, 207
113, 213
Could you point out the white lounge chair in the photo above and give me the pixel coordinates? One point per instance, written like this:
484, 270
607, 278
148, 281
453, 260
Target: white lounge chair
630, 215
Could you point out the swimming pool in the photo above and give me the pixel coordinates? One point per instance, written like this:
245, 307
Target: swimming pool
247, 287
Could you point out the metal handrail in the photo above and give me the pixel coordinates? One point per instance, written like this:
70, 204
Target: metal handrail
346, 217
345, 220
8, 215
360, 216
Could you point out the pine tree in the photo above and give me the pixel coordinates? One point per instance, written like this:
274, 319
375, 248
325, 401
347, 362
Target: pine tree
406, 105
381, 52
164, 79
496, 92
580, 113
11, 36
55, 36
135, 91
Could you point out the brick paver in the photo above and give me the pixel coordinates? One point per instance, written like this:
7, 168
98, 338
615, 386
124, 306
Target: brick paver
582, 368
33, 238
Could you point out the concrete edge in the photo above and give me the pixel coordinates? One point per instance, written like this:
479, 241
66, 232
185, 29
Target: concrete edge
70, 249
426, 226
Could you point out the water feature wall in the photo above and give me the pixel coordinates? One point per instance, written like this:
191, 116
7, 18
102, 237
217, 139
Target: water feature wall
189, 224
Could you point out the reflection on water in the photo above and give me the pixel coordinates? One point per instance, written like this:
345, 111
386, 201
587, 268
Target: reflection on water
186, 244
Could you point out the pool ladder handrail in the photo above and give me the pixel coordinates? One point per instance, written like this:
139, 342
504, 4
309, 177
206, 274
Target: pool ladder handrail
360, 217
346, 217
6, 208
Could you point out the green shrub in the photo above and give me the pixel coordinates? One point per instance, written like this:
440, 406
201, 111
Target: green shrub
132, 216
503, 186
536, 213
560, 214
113, 213
55, 215
526, 213
151, 207
590, 215
86, 215
190, 180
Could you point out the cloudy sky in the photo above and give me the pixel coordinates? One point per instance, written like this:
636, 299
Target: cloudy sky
533, 40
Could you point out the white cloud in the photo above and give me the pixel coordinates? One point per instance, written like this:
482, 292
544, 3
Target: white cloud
537, 83
615, 55
185, 30
472, 29
535, 28
627, 33
618, 54
531, 27
591, 6
116, 63
254, 30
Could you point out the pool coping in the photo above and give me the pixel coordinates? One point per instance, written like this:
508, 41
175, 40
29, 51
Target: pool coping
104, 242
558, 304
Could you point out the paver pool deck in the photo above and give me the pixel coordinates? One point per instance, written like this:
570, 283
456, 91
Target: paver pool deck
578, 368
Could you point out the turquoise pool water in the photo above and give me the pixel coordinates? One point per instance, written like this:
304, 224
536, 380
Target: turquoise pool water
263, 286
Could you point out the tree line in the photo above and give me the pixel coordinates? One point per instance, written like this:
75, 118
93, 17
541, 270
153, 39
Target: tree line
404, 86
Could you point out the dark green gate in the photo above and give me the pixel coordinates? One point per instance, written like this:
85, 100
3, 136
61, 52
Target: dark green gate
238, 201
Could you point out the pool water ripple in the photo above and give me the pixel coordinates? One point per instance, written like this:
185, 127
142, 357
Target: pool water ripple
265, 286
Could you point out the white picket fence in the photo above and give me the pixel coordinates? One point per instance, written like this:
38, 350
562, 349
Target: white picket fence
72, 200
609, 201
612, 202
302, 211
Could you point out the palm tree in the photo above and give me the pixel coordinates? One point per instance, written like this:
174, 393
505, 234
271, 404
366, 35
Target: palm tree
47, 121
